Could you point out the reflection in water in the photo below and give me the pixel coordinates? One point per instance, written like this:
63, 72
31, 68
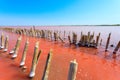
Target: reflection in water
114, 64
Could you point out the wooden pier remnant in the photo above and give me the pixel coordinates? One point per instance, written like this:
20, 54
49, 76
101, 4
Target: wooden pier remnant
100, 42
108, 41
47, 66
74, 41
69, 39
116, 48
72, 70
88, 39
22, 63
97, 40
17, 47
6, 44
2, 41
35, 59
64, 35
55, 36
42, 34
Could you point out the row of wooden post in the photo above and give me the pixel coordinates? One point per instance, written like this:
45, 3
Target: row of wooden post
14, 52
85, 40
4, 42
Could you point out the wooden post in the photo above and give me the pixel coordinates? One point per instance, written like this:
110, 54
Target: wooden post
93, 34
64, 35
35, 60
88, 38
17, 47
6, 44
117, 47
74, 38
91, 38
97, 40
47, 66
108, 41
22, 63
2, 41
93, 43
33, 32
72, 70
100, 42
51, 35
81, 38
85, 39
42, 34
55, 36
69, 38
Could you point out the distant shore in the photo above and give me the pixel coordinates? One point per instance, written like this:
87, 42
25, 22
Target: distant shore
56, 25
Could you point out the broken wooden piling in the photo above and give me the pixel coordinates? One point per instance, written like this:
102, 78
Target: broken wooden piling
47, 66
6, 44
17, 47
35, 60
72, 70
100, 42
116, 48
69, 39
2, 41
97, 40
55, 36
108, 41
22, 63
74, 41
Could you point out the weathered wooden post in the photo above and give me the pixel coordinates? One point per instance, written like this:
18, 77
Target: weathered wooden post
85, 40
108, 41
64, 35
35, 60
97, 40
116, 48
93, 43
47, 66
100, 42
22, 63
69, 39
2, 41
91, 38
42, 34
72, 70
88, 39
51, 35
74, 38
93, 34
17, 47
55, 36
81, 38
6, 44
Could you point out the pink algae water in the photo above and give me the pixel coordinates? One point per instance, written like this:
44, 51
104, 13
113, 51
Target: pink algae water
93, 64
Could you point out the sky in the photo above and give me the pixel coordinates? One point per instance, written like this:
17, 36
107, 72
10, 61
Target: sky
59, 12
